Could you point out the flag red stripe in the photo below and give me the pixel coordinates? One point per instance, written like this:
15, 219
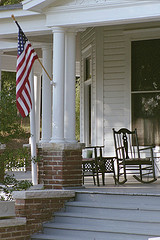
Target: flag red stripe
29, 53
22, 57
20, 109
26, 71
25, 60
28, 96
25, 103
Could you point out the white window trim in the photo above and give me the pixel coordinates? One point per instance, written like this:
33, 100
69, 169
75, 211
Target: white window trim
99, 87
135, 35
87, 52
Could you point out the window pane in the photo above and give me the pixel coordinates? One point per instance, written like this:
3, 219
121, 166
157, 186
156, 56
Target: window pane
146, 117
146, 65
88, 68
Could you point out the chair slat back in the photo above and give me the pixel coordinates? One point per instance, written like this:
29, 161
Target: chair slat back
126, 143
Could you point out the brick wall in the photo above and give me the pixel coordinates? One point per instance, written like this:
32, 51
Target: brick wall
15, 233
60, 168
36, 207
38, 211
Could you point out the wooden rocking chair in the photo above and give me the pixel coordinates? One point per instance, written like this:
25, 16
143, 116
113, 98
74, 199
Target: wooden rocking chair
129, 160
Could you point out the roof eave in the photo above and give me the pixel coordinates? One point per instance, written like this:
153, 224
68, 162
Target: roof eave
36, 6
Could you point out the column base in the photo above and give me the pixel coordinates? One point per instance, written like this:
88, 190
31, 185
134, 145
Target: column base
60, 165
57, 140
70, 140
44, 141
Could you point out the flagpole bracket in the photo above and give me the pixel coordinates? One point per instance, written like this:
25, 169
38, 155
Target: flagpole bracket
53, 83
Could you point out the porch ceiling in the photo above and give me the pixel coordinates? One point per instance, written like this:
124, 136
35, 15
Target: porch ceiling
85, 13
69, 13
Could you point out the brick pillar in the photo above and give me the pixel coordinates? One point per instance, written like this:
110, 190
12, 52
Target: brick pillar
60, 165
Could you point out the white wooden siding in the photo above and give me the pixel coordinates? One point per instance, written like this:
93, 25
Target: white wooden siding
114, 84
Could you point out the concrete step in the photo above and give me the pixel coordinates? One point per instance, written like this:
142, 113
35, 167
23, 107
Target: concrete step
131, 198
106, 236
99, 216
110, 214
107, 226
114, 205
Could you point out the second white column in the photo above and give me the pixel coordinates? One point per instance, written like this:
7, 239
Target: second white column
46, 95
70, 79
58, 89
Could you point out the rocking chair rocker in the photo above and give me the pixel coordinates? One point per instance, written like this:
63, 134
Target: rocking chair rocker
129, 159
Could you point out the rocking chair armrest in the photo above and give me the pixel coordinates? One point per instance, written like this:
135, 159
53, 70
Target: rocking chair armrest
146, 148
151, 151
94, 147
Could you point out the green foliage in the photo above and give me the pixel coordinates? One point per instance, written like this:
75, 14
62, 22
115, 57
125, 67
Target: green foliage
11, 132
8, 2
8, 81
10, 185
15, 158
9, 119
78, 109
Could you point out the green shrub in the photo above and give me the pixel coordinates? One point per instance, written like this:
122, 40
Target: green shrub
12, 184
15, 158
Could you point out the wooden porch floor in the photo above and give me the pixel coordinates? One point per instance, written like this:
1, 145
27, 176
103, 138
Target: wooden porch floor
131, 186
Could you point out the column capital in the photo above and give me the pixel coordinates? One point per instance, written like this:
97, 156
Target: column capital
46, 46
58, 29
71, 30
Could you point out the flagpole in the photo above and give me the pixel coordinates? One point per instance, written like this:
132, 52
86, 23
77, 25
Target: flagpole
13, 17
33, 133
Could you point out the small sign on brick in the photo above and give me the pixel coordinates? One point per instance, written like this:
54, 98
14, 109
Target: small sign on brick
7, 209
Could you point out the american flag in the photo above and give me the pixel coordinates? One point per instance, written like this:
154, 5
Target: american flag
26, 56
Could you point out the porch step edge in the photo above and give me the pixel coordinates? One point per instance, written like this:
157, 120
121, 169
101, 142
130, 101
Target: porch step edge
106, 228
117, 217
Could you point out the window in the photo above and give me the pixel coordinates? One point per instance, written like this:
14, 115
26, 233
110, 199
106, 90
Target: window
88, 68
146, 90
88, 99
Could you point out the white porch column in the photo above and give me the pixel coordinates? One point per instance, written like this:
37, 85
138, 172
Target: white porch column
70, 76
33, 132
37, 97
58, 89
46, 95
